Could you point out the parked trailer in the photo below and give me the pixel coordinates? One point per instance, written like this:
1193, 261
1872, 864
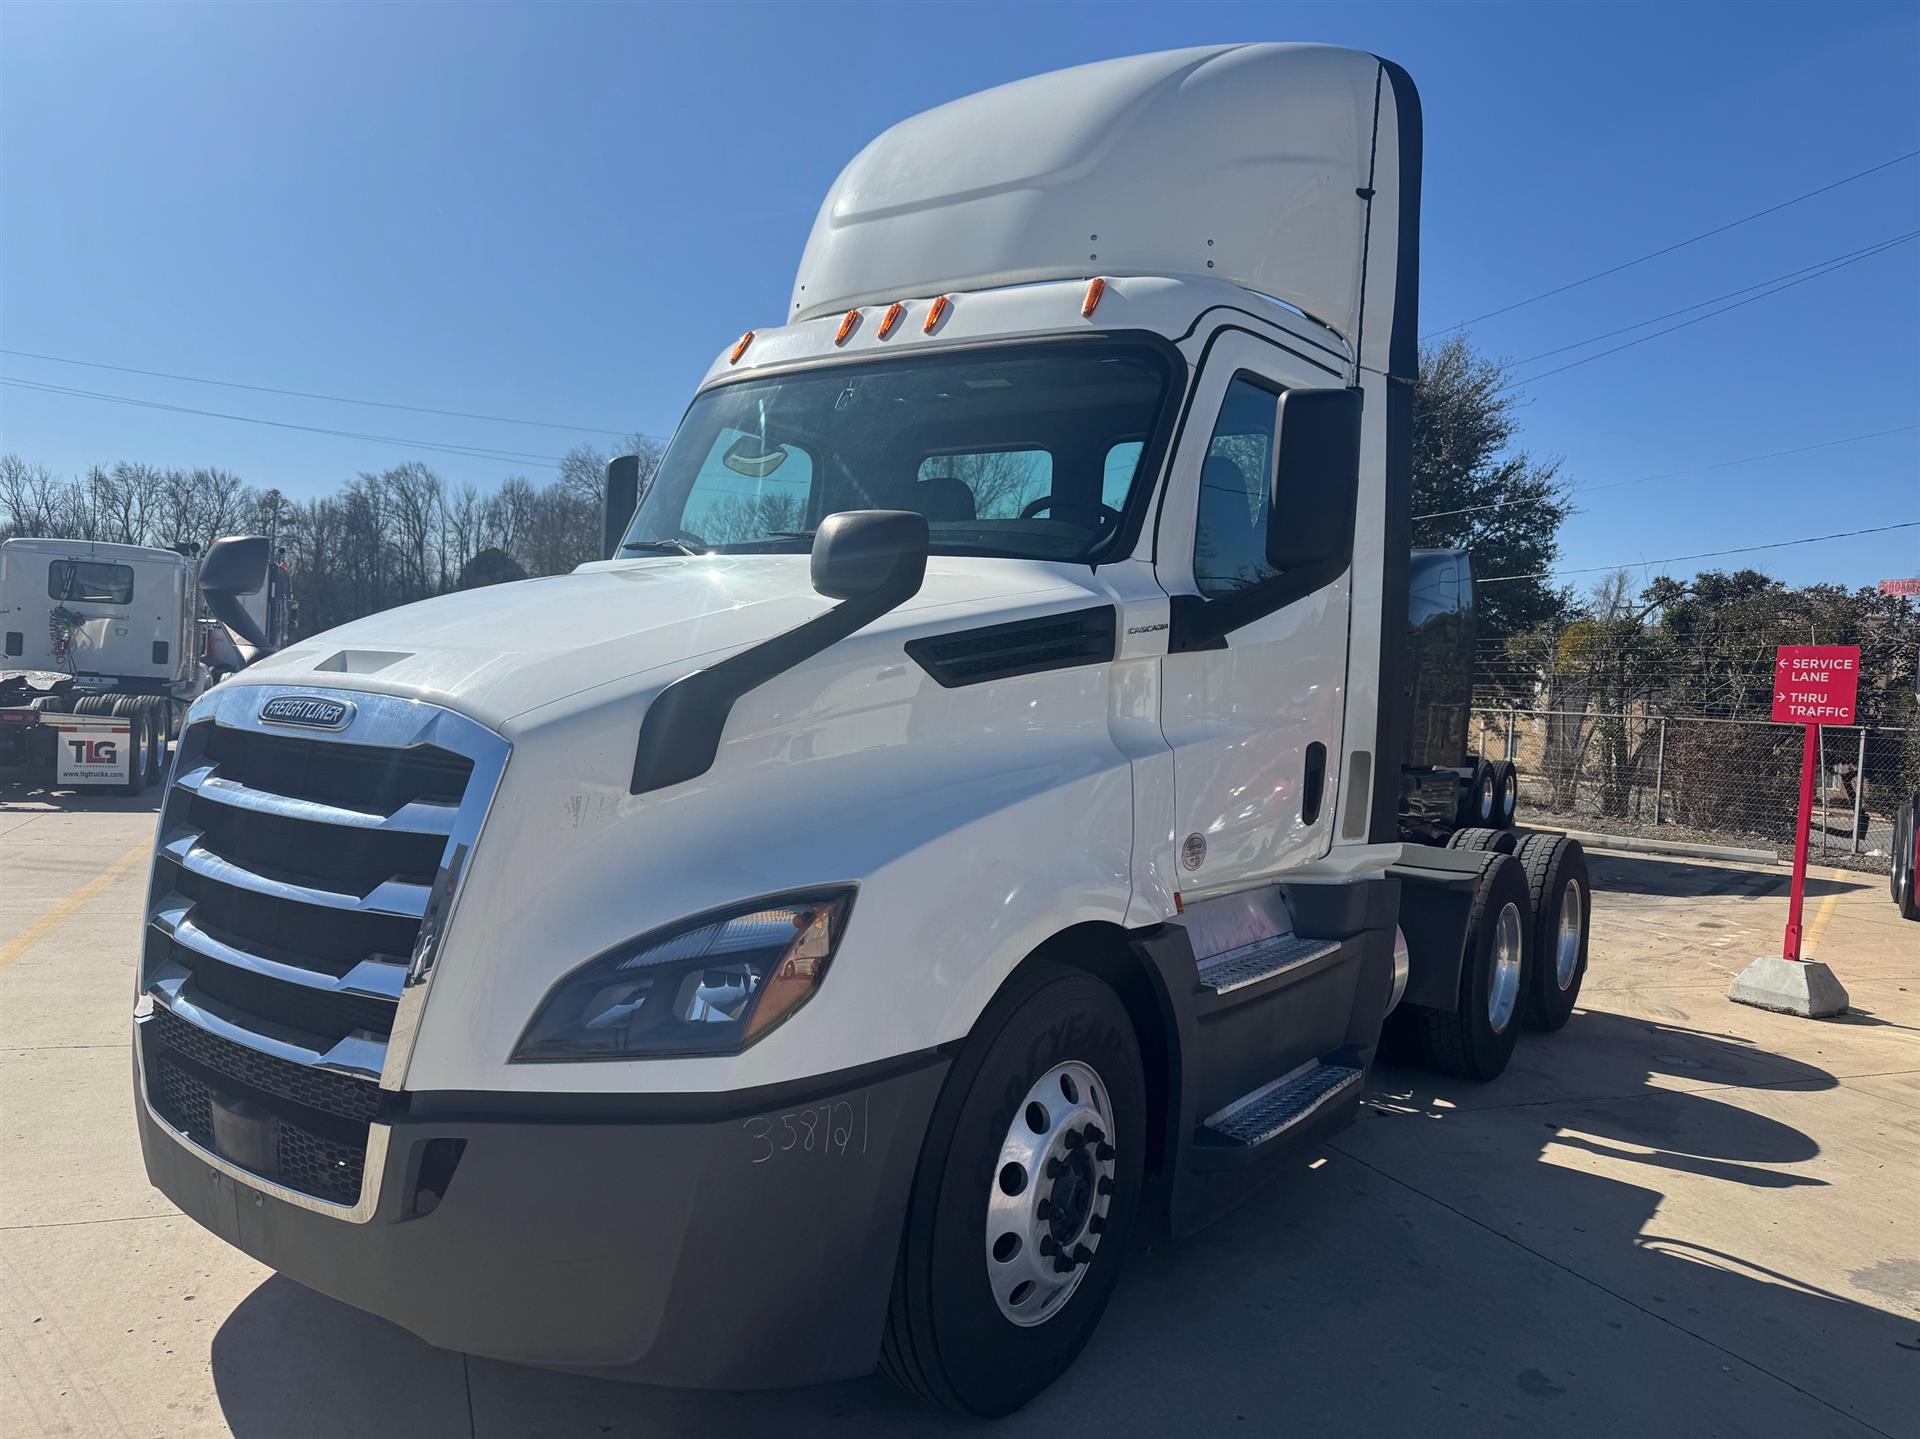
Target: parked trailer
956, 829
102, 651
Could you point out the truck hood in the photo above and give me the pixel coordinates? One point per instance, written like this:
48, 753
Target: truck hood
498, 652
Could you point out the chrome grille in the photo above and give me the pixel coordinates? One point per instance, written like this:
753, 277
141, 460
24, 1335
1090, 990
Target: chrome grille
301, 881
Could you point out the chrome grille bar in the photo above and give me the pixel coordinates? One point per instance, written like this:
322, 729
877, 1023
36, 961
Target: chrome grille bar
392, 897
360, 1055
415, 817
379, 978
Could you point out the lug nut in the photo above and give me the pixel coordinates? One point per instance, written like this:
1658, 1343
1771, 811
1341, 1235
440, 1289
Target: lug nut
1106, 1185
1063, 1265
1097, 1224
1074, 1139
1048, 1244
1043, 1209
1056, 1168
1103, 1151
1081, 1254
1095, 1133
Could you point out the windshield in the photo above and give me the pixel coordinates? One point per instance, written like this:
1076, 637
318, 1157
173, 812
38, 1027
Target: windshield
1033, 451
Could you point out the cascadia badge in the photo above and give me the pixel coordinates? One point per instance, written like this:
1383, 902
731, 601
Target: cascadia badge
309, 710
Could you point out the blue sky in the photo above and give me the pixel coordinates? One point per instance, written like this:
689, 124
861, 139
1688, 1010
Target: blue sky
561, 213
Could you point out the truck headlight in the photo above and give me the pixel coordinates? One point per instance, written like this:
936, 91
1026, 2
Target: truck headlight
709, 985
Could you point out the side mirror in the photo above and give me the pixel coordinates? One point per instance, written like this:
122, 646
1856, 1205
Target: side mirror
1316, 480
621, 498
865, 553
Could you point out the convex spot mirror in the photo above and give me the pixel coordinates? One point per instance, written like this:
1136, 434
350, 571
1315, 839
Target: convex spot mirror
236, 565
1316, 479
859, 553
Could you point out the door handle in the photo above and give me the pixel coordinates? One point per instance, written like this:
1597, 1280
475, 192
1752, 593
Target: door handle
1316, 781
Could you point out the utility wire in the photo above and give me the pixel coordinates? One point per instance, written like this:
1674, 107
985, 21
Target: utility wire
312, 395
479, 454
1879, 249
1677, 245
1704, 555
1808, 270
1669, 474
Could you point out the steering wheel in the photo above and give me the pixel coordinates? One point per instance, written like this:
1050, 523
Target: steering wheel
1109, 517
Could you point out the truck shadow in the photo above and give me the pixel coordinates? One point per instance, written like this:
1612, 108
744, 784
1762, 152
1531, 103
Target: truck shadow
1470, 1257
1666, 876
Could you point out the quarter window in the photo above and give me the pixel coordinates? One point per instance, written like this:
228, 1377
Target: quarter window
90, 582
1230, 534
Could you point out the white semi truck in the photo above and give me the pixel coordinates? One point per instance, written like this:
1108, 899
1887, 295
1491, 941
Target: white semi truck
956, 831
104, 646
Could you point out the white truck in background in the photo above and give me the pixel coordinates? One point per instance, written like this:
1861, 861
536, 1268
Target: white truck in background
104, 646
957, 827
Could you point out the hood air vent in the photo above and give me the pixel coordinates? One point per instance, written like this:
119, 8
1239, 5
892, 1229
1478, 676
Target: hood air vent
1024, 647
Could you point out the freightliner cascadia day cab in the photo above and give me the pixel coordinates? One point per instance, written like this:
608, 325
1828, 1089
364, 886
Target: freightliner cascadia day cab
955, 831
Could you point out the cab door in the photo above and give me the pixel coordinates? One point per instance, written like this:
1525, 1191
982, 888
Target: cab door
1253, 683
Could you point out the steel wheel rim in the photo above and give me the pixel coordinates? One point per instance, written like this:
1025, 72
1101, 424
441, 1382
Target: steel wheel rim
1508, 797
1486, 797
1503, 993
1566, 944
1051, 1189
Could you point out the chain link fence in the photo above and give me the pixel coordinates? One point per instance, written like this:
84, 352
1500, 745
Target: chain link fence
1717, 781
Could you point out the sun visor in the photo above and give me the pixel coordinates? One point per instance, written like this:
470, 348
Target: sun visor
1252, 164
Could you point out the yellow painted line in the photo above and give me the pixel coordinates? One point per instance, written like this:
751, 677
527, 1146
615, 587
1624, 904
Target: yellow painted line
1808, 944
53, 918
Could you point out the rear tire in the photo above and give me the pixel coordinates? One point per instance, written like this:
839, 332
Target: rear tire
949, 1336
1499, 841
1896, 847
139, 753
1478, 804
1506, 798
1475, 1039
1907, 842
1562, 897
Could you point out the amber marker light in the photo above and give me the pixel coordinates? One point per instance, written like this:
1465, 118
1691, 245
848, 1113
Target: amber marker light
740, 348
890, 320
941, 304
846, 327
1096, 287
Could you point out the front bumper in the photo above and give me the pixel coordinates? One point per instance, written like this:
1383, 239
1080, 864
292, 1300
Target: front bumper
712, 1241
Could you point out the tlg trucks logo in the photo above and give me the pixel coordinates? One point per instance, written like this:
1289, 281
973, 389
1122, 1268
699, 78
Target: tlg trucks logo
95, 752
308, 710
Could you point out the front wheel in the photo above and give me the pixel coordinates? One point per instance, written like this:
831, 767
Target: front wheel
1475, 1039
1027, 1189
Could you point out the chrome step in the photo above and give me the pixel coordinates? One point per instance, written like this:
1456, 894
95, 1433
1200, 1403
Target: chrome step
1271, 1110
1263, 959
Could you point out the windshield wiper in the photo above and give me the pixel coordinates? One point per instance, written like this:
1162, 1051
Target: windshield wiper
678, 546
790, 534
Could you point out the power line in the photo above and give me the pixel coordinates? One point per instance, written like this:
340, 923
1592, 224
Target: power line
1670, 474
1807, 270
1705, 555
475, 453
312, 395
1677, 245
1871, 251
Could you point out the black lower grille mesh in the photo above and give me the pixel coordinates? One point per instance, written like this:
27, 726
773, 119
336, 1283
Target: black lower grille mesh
354, 1100
182, 1087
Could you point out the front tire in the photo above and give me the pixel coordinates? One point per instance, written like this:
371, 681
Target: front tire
1054, 1055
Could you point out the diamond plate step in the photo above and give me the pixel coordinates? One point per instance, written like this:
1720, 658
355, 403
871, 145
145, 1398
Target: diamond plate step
1274, 1108
1263, 959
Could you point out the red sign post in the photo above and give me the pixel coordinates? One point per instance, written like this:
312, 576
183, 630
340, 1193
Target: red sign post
1812, 685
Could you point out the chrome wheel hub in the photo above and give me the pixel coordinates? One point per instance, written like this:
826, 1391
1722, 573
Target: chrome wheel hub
1051, 1189
1486, 798
1566, 944
1508, 946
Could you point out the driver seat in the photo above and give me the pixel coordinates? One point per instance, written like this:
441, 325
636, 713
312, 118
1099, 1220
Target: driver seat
944, 498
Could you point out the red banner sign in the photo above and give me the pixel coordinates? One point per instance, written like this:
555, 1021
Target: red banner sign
1815, 684
1900, 587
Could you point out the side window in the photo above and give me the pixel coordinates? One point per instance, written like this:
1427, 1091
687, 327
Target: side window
90, 582
746, 488
1116, 476
1001, 484
1230, 531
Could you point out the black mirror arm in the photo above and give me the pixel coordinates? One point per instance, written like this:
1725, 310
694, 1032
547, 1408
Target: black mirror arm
680, 735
